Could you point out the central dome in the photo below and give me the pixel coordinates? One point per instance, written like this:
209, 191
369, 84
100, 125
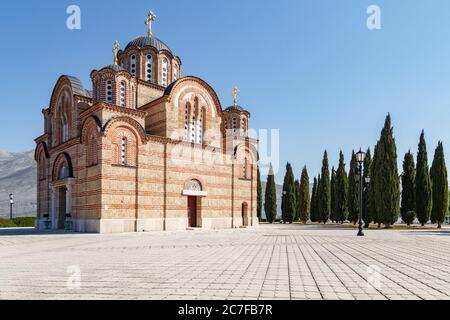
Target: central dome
143, 41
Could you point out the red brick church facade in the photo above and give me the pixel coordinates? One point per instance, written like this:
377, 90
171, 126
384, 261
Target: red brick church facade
146, 149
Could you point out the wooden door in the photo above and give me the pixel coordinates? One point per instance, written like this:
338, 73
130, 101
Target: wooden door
192, 211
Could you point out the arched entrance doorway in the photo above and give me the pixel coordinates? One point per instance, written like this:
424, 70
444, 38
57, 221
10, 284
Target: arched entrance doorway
194, 191
62, 182
245, 214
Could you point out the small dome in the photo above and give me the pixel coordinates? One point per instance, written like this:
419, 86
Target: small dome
115, 67
239, 108
143, 41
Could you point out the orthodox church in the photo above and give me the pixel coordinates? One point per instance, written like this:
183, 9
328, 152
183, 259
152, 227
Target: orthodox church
147, 149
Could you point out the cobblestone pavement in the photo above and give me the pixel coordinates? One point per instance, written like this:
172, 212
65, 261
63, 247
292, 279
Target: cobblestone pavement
269, 262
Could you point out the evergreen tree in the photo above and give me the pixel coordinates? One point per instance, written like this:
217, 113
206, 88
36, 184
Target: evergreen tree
259, 195
387, 181
353, 190
270, 200
408, 180
288, 202
366, 204
324, 191
440, 186
303, 197
341, 190
374, 177
333, 196
297, 191
314, 197
423, 184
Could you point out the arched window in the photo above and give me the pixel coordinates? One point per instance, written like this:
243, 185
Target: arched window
245, 168
108, 91
149, 64
165, 70
175, 74
64, 171
133, 65
234, 125
123, 159
200, 126
65, 129
122, 93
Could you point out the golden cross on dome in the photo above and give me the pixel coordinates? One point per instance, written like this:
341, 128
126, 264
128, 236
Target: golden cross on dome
234, 93
115, 49
151, 17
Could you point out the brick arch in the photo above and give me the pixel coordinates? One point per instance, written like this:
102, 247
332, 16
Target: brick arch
199, 179
41, 147
130, 123
61, 159
119, 135
90, 124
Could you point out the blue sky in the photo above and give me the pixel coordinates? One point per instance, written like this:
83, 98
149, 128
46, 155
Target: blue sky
309, 68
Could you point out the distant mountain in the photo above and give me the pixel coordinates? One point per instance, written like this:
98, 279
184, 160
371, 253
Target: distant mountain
18, 176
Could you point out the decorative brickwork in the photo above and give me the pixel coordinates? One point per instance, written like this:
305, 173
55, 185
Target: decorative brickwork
140, 154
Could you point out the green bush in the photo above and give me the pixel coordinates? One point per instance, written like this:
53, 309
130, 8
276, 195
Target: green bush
20, 222
24, 221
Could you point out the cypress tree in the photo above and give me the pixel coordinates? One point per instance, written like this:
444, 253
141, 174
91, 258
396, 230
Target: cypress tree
259, 195
423, 184
387, 181
366, 204
408, 180
373, 193
303, 197
440, 186
314, 197
288, 205
297, 190
333, 195
353, 190
270, 200
324, 191
341, 190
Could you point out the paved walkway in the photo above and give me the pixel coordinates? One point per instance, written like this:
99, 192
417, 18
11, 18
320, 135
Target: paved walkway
269, 262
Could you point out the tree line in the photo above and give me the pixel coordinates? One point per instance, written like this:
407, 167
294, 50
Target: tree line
335, 195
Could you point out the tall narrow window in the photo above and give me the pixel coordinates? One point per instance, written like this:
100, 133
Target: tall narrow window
165, 70
133, 65
122, 93
175, 75
64, 128
200, 128
186, 123
193, 127
243, 127
123, 159
149, 67
234, 125
108, 91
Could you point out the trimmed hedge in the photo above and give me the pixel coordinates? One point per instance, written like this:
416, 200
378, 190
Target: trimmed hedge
19, 222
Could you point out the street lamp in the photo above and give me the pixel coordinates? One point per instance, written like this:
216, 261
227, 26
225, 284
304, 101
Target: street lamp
11, 202
360, 156
366, 196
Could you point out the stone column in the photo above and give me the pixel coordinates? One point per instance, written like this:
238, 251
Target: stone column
69, 199
53, 217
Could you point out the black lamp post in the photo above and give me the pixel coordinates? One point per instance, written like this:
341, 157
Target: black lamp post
366, 199
11, 202
360, 156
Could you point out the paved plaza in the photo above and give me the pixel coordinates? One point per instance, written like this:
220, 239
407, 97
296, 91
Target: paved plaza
268, 262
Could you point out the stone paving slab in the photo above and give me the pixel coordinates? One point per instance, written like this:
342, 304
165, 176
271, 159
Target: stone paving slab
269, 262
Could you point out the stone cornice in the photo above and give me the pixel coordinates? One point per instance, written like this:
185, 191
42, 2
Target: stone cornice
41, 138
64, 145
83, 99
105, 106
